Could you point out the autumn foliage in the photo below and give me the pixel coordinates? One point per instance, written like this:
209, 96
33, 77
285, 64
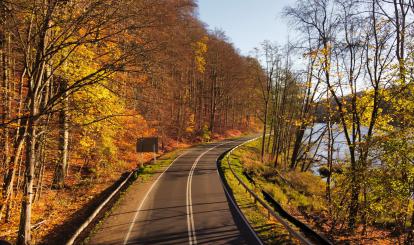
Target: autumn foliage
82, 80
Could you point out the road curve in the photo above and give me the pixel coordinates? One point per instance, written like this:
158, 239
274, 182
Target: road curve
186, 204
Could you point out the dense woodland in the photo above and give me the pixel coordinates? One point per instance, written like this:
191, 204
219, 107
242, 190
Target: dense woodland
356, 77
82, 80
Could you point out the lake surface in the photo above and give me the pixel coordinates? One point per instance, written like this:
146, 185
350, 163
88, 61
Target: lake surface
341, 151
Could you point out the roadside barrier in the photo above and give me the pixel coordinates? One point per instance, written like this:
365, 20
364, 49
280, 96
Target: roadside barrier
91, 217
306, 235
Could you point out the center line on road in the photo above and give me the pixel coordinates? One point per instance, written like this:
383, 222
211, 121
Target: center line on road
192, 238
145, 197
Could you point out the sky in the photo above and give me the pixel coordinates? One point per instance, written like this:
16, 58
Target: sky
247, 23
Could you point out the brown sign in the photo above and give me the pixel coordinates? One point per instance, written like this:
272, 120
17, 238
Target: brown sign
147, 144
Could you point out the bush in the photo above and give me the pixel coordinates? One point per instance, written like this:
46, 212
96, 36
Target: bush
306, 182
324, 171
269, 174
205, 134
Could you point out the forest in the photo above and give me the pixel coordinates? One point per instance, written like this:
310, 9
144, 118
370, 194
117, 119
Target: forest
338, 103
82, 80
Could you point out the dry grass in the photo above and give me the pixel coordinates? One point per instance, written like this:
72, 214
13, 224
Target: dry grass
302, 194
269, 231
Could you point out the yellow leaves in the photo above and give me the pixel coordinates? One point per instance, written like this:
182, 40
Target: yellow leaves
297, 123
403, 104
112, 51
326, 51
200, 49
191, 124
86, 142
79, 64
200, 63
317, 52
202, 45
321, 58
365, 109
97, 108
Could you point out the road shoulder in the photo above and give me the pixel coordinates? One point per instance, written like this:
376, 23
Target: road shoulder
111, 228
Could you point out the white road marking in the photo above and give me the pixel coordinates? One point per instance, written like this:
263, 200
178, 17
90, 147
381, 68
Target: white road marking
190, 217
192, 238
145, 197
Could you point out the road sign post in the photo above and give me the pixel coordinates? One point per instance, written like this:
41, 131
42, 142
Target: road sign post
155, 155
148, 144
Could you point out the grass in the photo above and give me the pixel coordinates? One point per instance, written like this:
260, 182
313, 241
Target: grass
146, 172
302, 194
269, 231
294, 190
299, 193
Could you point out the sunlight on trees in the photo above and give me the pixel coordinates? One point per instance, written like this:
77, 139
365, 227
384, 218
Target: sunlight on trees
351, 112
82, 80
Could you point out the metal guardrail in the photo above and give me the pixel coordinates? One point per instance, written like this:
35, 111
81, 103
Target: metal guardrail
318, 239
92, 216
309, 232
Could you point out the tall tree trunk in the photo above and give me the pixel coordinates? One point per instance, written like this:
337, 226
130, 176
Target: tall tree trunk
15, 159
10, 176
330, 150
62, 168
5, 49
296, 147
213, 103
24, 236
4, 59
264, 130
270, 133
355, 189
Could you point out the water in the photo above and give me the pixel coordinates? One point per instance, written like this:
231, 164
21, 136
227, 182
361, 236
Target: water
319, 137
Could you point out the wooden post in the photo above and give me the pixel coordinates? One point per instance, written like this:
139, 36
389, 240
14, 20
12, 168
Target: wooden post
155, 154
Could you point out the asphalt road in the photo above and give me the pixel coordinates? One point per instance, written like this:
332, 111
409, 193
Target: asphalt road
187, 204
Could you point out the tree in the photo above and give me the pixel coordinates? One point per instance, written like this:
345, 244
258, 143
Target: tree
56, 33
270, 58
107, 72
353, 51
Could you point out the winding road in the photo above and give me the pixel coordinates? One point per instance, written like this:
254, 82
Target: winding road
186, 204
